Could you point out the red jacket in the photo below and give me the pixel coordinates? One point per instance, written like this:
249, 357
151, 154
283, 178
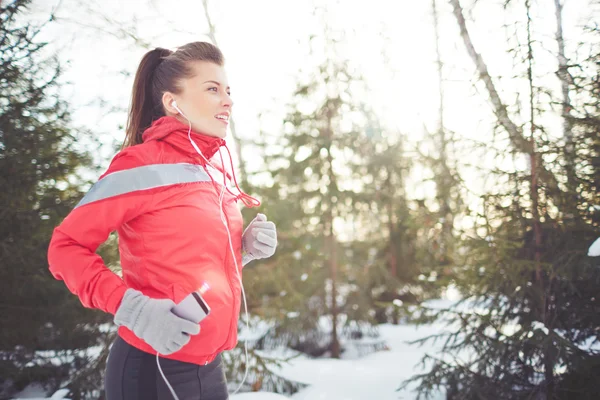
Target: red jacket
162, 200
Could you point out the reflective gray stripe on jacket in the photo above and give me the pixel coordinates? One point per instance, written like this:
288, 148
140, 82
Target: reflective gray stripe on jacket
143, 178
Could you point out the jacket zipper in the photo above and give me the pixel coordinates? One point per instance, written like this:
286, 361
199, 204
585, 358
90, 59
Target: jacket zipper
228, 249
227, 268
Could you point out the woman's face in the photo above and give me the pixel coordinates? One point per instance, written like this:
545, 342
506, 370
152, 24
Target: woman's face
204, 99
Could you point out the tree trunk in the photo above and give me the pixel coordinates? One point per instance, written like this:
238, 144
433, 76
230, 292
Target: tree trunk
565, 81
444, 180
335, 344
440, 65
392, 259
330, 235
518, 140
548, 353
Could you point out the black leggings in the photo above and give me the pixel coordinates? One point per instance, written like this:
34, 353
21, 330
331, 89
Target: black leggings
132, 374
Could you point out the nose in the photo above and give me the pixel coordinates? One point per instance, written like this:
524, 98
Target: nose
227, 101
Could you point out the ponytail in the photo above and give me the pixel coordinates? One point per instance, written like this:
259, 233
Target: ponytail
160, 71
144, 109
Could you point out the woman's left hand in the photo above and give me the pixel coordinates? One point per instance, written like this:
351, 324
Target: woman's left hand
259, 239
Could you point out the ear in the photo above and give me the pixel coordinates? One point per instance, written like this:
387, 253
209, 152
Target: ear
167, 103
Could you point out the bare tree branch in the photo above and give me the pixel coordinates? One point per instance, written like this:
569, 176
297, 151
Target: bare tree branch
515, 133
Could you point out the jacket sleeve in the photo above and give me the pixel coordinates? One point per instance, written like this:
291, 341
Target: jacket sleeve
72, 252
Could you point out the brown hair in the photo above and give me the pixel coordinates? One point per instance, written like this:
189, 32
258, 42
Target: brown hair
161, 71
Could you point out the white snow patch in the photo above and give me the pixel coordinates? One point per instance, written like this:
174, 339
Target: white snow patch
594, 250
37, 392
376, 376
539, 325
258, 329
258, 396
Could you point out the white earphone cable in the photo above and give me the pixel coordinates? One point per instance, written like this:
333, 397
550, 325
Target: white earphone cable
237, 270
165, 379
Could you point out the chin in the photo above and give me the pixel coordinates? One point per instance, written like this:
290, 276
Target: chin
221, 135
214, 133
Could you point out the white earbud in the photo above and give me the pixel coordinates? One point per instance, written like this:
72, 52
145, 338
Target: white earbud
174, 104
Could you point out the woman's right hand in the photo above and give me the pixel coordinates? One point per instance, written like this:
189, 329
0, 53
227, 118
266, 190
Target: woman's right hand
152, 320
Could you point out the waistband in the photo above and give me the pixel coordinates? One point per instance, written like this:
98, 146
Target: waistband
130, 338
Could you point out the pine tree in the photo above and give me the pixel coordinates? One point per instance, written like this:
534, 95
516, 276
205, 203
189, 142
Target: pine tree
395, 243
582, 315
45, 330
530, 311
412, 239
387, 246
312, 201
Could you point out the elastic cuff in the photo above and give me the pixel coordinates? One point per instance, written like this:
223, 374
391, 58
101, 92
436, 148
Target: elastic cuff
246, 258
130, 308
115, 298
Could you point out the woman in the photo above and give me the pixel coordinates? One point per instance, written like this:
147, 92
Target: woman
179, 229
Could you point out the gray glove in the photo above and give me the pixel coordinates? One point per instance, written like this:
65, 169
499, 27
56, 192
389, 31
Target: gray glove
259, 240
152, 320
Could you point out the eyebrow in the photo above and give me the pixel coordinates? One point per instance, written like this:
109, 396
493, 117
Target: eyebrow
215, 82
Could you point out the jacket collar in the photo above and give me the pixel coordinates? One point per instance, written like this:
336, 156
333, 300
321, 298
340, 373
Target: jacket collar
175, 133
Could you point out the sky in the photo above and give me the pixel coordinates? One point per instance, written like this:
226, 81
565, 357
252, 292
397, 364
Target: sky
266, 45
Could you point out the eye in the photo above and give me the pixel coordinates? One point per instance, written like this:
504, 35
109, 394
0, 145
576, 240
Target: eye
214, 87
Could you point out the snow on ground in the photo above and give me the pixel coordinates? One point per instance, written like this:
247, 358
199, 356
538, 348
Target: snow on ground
258, 396
37, 392
376, 376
